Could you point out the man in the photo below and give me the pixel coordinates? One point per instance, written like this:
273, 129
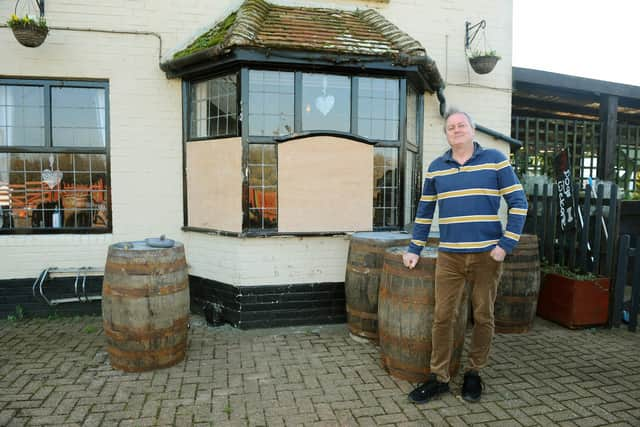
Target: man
467, 182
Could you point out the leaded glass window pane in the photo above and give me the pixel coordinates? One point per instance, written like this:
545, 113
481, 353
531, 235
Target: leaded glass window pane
385, 187
271, 103
263, 187
326, 102
213, 108
378, 108
53, 191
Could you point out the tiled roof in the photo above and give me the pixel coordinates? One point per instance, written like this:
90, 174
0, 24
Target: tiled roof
262, 25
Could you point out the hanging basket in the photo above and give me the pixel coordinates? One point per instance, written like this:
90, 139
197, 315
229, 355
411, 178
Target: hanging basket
30, 35
484, 64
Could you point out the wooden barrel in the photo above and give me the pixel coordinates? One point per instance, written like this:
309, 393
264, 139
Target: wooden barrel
405, 316
145, 306
362, 279
519, 286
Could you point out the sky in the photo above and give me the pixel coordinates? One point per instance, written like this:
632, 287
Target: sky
598, 39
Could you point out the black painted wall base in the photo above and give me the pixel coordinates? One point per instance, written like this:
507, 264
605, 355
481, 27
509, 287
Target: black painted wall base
250, 307
16, 298
245, 307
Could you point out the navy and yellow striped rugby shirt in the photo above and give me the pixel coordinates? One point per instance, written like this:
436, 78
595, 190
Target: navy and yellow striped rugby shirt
468, 198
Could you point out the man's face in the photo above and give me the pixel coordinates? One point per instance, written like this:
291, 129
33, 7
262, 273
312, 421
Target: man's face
459, 131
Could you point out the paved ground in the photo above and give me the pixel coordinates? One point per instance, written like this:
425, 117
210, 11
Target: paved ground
56, 372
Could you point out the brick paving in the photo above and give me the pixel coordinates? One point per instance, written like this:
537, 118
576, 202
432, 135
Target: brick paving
57, 372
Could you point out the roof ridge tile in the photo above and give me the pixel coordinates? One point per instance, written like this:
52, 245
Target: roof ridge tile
251, 16
401, 40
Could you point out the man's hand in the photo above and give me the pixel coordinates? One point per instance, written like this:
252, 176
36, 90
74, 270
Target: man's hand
410, 260
497, 254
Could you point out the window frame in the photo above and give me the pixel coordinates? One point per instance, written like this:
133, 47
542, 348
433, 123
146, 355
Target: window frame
186, 107
416, 148
299, 69
48, 147
247, 211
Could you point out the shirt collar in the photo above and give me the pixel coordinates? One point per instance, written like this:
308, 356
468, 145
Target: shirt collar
477, 149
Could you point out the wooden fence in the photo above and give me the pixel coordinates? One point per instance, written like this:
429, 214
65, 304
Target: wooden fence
627, 257
592, 246
588, 247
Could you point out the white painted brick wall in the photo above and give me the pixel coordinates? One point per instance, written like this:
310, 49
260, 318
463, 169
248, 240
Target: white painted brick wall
146, 132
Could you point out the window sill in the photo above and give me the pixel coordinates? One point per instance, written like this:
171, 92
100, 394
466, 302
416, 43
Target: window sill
31, 231
259, 233
337, 134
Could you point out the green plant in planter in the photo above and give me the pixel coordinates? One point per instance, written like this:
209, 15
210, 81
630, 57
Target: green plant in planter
28, 31
483, 53
27, 22
562, 270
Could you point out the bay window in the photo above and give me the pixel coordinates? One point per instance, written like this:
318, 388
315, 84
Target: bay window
266, 107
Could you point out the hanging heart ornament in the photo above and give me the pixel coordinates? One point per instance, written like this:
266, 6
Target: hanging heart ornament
52, 178
324, 104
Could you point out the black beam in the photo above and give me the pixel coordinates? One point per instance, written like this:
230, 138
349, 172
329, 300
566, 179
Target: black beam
212, 60
608, 126
550, 107
582, 84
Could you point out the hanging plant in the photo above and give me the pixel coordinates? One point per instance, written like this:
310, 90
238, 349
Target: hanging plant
483, 62
28, 31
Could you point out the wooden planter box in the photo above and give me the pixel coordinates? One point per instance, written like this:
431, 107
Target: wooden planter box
574, 303
629, 218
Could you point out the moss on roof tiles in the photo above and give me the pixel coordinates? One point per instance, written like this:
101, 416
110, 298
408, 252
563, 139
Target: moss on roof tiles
214, 36
258, 24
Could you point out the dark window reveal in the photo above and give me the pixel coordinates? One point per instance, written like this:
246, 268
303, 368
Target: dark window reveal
411, 186
412, 114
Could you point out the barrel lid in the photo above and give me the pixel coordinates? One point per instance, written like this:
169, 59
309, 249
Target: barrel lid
380, 235
142, 245
427, 251
159, 242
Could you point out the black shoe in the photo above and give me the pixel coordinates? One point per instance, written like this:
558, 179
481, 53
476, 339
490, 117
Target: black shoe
472, 387
427, 391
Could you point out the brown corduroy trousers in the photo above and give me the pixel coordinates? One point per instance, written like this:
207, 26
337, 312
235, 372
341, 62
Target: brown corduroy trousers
453, 271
